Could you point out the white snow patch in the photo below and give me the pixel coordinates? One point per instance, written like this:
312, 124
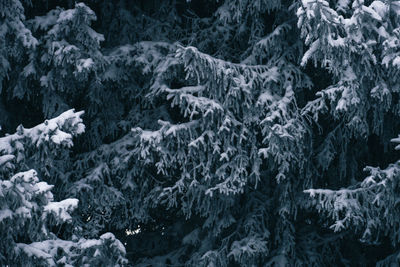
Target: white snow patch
24, 212
396, 61
66, 15
33, 251
27, 177
349, 75
62, 208
372, 13
5, 213
90, 243
84, 64
42, 187
313, 48
6, 158
380, 8
118, 243
46, 21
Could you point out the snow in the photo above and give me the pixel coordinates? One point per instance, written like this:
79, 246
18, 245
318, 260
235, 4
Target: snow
118, 243
46, 21
380, 8
97, 253
5, 184
186, 89
69, 14
59, 130
29, 69
266, 98
383, 33
97, 174
90, 243
61, 208
5, 213
6, 158
224, 156
396, 7
24, 34
5, 143
67, 48
372, 13
86, 8
43, 187
27, 177
68, 117
84, 64
396, 140
39, 253
66, 15
203, 103
24, 212
200, 139
268, 41
49, 249
339, 41
63, 261
179, 127
60, 137
224, 13
44, 81
123, 51
343, 4
313, 48
107, 236
396, 61
349, 75
390, 172
94, 35
248, 246
153, 136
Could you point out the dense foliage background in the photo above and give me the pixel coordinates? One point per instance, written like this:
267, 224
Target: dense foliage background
199, 133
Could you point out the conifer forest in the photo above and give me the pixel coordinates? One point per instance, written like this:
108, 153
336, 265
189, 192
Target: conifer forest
200, 133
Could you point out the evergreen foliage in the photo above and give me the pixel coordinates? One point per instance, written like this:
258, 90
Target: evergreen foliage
31, 222
214, 133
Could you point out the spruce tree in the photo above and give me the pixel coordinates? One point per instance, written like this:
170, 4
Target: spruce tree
218, 133
32, 223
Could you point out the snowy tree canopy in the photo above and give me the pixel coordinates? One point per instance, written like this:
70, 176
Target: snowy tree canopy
209, 133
